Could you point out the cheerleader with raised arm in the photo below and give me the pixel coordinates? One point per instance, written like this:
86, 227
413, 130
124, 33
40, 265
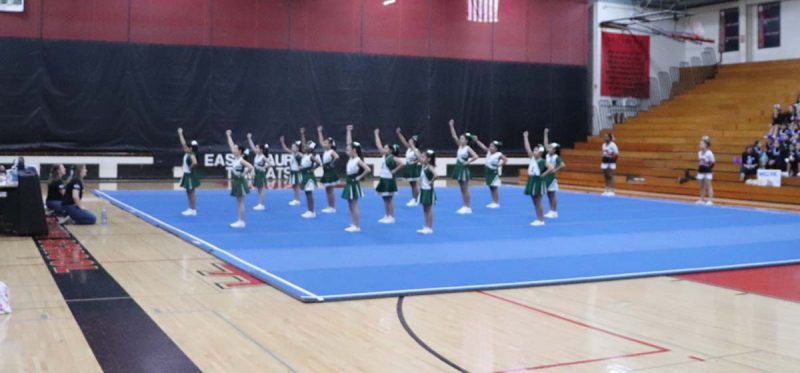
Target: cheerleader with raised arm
536, 186
190, 180
464, 157
357, 170
239, 185
308, 182
412, 168
554, 164
495, 160
260, 164
427, 196
387, 185
609, 163
329, 176
704, 176
294, 169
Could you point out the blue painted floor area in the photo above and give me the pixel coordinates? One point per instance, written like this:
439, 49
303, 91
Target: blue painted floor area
595, 238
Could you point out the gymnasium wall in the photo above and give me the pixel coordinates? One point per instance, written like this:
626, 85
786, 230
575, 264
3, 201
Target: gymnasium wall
123, 74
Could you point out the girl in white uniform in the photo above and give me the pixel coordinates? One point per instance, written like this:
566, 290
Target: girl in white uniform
704, 176
239, 185
308, 163
536, 186
554, 164
260, 164
190, 180
412, 168
427, 196
494, 165
356, 170
329, 176
387, 185
294, 169
609, 163
464, 157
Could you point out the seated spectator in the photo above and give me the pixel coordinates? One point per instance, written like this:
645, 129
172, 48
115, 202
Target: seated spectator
749, 164
73, 199
793, 161
55, 189
781, 117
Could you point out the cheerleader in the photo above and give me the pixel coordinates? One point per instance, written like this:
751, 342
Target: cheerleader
706, 165
239, 185
387, 185
554, 164
412, 170
260, 163
329, 177
464, 157
190, 180
535, 186
427, 196
356, 170
308, 182
609, 163
294, 169
495, 160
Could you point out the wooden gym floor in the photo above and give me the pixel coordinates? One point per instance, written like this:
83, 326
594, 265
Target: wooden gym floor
224, 322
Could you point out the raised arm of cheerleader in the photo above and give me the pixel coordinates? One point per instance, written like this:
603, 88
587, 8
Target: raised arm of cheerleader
378, 142
527, 144
546, 138
367, 170
481, 144
402, 138
250, 142
452, 124
183, 140
283, 145
303, 144
349, 136
230, 139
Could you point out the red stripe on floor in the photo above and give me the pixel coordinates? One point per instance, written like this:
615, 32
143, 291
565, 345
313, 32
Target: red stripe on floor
779, 282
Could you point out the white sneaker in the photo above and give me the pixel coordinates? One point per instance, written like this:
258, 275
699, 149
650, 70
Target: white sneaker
329, 210
259, 207
551, 215
294, 202
383, 219
493, 206
709, 203
700, 202
387, 220
64, 220
464, 211
412, 203
604, 193
309, 215
425, 230
352, 229
611, 194
537, 223
189, 212
238, 224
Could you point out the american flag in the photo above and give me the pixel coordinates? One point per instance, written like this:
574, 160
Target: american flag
482, 10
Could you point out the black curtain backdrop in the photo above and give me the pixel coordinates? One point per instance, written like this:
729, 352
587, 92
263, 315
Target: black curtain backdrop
91, 96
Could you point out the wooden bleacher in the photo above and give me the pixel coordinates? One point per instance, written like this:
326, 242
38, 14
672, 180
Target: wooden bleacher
734, 109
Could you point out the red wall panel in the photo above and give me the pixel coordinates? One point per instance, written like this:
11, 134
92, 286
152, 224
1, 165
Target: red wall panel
316, 25
539, 32
170, 22
250, 23
571, 38
86, 20
22, 25
401, 28
510, 39
452, 36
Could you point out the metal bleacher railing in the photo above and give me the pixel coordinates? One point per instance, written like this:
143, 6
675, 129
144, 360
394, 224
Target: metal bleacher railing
663, 86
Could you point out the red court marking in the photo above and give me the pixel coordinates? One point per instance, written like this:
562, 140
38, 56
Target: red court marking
657, 349
696, 358
227, 270
781, 282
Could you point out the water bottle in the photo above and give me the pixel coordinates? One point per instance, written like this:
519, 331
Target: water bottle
103, 216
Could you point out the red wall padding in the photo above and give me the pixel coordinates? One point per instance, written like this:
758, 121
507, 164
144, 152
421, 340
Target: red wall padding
535, 31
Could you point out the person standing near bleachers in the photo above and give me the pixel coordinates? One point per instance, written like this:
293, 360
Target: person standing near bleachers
749, 163
704, 171
609, 163
73, 199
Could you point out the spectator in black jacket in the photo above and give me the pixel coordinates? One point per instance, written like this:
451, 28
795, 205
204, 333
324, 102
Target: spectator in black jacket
749, 163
